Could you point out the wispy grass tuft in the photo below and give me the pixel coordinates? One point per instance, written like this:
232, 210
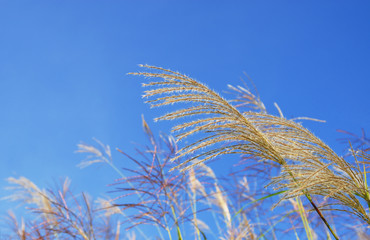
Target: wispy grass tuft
309, 166
57, 214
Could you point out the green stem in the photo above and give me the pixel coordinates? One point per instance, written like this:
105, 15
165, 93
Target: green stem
281, 219
304, 219
176, 222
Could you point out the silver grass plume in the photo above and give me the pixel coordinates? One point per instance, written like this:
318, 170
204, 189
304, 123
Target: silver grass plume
309, 166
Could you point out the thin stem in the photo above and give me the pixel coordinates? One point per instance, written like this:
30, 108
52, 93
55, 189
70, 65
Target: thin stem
110, 163
308, 196
303, 215
321, 216
176, 222
193, 206
164, 180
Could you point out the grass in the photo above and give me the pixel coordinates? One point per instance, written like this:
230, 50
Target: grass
288, 184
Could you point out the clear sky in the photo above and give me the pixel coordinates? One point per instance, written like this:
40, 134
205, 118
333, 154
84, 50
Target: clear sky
63, 68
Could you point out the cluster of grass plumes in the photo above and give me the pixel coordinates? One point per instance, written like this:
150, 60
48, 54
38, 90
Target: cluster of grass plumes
148, 194
58, 214
309, 166
167, 192
171, 201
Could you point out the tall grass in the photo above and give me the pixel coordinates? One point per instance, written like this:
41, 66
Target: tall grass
308, 166
57, 214
286, 183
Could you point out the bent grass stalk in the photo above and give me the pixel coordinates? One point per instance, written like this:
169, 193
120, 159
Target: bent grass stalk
257, 134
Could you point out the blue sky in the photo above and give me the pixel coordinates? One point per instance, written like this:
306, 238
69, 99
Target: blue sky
63, 68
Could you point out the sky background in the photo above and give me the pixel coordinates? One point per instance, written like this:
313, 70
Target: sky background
64, 65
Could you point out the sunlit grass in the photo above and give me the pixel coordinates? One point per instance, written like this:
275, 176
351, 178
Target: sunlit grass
287, 184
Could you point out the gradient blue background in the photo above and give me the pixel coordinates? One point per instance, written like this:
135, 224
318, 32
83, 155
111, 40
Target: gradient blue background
63, 68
